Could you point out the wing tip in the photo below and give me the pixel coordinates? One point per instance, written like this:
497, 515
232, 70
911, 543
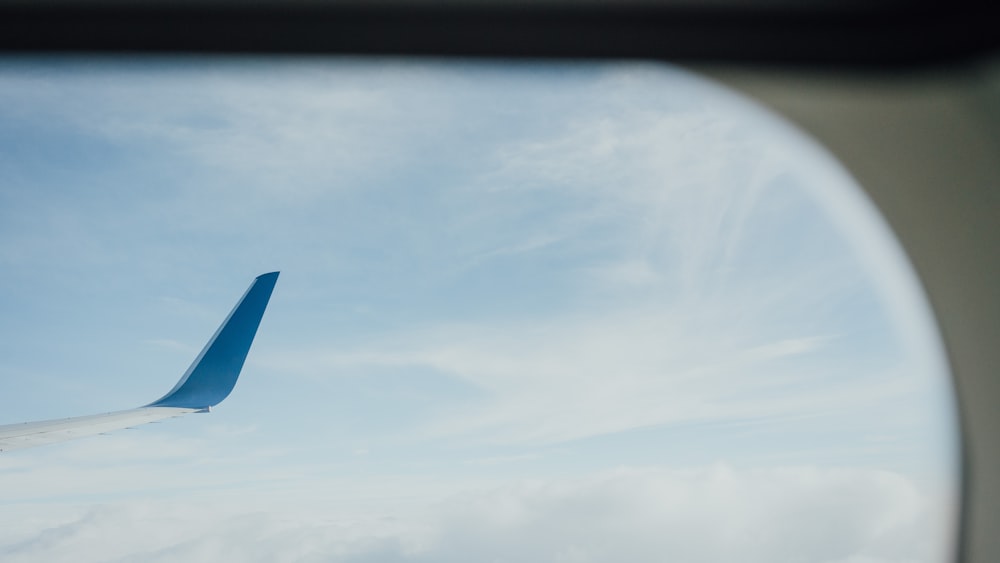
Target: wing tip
213, 374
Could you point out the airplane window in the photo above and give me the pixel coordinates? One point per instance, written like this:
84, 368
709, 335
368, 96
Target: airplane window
527, 312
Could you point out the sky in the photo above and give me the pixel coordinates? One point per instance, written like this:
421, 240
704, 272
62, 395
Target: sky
527, 312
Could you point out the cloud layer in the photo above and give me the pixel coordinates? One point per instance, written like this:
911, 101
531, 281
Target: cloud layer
708, 514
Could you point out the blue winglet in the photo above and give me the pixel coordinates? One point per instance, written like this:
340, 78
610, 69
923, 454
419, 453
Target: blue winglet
214, 372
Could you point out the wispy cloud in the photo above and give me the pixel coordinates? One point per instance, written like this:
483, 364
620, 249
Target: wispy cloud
561, 379
681, 305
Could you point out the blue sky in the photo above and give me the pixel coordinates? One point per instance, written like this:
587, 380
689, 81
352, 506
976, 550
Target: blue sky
542, 312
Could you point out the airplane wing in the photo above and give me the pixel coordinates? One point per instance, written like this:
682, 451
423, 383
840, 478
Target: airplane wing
206, 383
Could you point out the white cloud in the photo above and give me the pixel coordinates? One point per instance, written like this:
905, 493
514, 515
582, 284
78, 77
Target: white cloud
787, 347
666, 324
267, 137
708, 514
711, 514
563, 378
